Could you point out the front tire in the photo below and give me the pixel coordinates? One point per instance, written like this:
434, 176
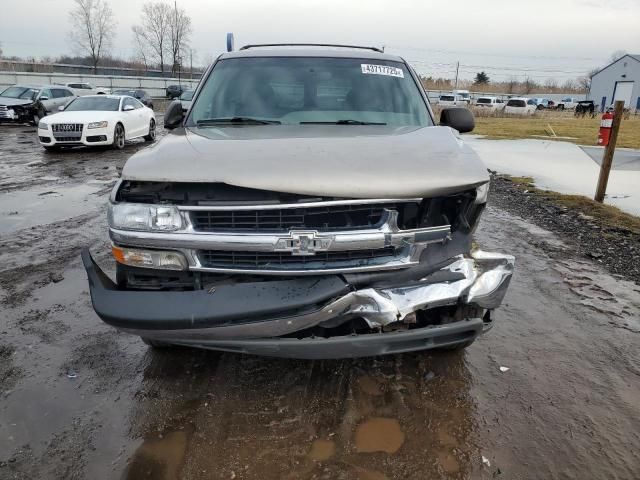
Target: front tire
118, 137
151, 136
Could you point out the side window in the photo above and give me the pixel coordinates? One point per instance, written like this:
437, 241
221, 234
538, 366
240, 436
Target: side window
137, 104
58, 92
74, 85
139, 93
86, 86
46, 93
128, 102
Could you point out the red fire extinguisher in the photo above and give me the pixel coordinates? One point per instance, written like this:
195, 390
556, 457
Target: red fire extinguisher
605, 128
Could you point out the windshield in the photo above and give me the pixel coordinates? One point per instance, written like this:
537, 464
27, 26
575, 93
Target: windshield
516, 103
188, 95
484, 100
24, 93
102, 103
292, 90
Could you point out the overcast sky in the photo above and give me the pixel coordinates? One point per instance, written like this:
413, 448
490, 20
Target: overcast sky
549, 38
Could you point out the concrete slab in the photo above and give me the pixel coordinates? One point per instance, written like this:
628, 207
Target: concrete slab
562, 167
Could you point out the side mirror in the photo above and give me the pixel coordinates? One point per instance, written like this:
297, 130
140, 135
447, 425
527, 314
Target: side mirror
173, 116
459, 118
44, 97
127, 108
61, 108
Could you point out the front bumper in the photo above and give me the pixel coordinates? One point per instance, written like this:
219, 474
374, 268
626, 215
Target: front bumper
88, 138
254, 317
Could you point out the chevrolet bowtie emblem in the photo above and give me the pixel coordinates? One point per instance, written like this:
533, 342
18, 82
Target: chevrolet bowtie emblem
303, 243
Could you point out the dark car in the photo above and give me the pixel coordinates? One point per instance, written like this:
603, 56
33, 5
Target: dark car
29, 103
174, 91
138, 94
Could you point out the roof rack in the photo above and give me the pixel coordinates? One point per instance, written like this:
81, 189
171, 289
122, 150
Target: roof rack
259, 45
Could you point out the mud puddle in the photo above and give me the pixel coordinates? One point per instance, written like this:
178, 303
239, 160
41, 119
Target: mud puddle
29, 208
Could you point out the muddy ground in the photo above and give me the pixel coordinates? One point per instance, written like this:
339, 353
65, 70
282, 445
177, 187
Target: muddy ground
78, 400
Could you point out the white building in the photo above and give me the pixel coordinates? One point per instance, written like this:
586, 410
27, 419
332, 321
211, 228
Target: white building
619, 80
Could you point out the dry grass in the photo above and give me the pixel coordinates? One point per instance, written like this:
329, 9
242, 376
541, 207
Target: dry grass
583, 131
607, 215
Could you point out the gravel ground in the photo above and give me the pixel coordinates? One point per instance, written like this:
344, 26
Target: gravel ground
617, 249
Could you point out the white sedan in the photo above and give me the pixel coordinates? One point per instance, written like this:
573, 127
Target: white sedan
97, 120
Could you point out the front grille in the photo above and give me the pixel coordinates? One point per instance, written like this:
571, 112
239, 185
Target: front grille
273, 260
321, 218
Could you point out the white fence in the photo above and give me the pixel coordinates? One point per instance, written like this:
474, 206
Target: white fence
154, 86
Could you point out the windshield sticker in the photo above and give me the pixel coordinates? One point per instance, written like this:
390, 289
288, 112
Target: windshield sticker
382, 70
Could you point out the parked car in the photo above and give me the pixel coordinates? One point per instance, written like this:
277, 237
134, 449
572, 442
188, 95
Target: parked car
186, 98
174, 91
138, 94
464, 94
97, 120
317, 209
491, 103
30, 103
520, 106
82, 89
568, 103
451, 100
544, 103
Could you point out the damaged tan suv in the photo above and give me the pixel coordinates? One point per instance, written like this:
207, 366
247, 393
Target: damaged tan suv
307, 205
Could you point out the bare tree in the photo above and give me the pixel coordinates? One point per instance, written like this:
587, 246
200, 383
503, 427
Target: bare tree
511, 84
155, 31
551, 84
179, 33
141, 50
529, 85
617, 55
93, 28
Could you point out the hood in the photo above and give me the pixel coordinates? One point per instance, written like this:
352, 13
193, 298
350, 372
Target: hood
83, 116
10, 102
333, 160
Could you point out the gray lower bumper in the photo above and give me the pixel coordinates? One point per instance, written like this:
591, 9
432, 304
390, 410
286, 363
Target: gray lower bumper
251, 317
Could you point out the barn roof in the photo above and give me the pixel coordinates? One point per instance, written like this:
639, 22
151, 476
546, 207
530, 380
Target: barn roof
635, 57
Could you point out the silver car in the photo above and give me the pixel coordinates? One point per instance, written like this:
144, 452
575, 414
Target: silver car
308, 205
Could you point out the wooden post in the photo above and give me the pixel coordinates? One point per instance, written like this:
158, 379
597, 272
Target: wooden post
609, 150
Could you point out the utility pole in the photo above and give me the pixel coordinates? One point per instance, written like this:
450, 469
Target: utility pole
607, 159
457, 69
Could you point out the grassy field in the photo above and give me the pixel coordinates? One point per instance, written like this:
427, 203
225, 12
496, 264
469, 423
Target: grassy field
583, 130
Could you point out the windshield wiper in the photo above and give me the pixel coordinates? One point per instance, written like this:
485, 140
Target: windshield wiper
237, 120
343, 122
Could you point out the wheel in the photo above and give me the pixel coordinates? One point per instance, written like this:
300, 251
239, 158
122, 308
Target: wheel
40, 114
152, 131
118, 137
540, 107
458, 346
155, 344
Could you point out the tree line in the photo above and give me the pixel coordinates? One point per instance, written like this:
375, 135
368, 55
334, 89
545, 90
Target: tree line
161, 39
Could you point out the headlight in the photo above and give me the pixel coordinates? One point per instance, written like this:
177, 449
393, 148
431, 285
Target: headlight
131, 216
102, 124
43, 126
482, 192
163, 259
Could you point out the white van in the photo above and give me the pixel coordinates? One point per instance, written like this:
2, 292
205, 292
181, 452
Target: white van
491, 103
520, 106
452, 100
